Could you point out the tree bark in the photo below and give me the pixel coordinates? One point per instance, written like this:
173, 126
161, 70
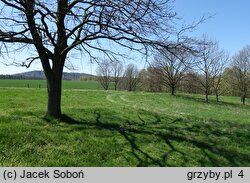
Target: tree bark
115, 83
217, 98
243, 99
54, 89
172, 90
206, 98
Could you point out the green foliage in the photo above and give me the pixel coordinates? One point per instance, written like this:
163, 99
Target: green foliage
88, 78
229, 83
110, 128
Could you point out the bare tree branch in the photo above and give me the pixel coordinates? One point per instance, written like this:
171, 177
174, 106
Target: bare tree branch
55, 28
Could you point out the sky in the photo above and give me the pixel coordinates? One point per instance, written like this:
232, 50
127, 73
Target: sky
229, 24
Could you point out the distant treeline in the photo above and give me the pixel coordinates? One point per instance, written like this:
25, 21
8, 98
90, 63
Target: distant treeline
88, 78
16, 77
82, 78
39, 75
211, 72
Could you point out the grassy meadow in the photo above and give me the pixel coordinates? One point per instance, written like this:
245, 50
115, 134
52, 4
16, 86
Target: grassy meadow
118, 128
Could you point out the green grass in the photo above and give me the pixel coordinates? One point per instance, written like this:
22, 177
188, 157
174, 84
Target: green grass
91, 85
108, 128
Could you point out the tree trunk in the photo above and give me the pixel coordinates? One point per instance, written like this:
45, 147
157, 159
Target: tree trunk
243, 98
54, 88
172, 90
206, 98
217, 98
115, 83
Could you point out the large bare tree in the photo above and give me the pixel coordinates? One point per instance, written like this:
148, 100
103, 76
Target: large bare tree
130, 78
55, 28
117, 68
219, 67
208, 64
104, 71
172, 66
241, 72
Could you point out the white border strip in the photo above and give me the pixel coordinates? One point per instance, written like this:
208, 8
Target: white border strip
124, 175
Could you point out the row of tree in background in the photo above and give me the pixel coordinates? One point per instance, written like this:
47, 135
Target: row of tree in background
210, 71
51, 32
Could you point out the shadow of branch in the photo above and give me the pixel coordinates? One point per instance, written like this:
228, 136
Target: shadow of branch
130, 131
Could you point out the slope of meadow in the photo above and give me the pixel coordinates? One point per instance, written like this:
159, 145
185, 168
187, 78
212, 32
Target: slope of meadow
108, 128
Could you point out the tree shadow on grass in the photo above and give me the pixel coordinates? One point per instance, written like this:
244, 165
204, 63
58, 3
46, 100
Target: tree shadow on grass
211, 101
179, 138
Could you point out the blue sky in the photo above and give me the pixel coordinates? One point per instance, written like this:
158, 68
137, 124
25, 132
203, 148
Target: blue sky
229, 25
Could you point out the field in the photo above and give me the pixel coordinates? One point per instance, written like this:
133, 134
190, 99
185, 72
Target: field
91, 85
109, 128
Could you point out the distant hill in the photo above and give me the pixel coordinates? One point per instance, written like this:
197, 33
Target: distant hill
40, 75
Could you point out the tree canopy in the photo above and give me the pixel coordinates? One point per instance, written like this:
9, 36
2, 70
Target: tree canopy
56, 27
